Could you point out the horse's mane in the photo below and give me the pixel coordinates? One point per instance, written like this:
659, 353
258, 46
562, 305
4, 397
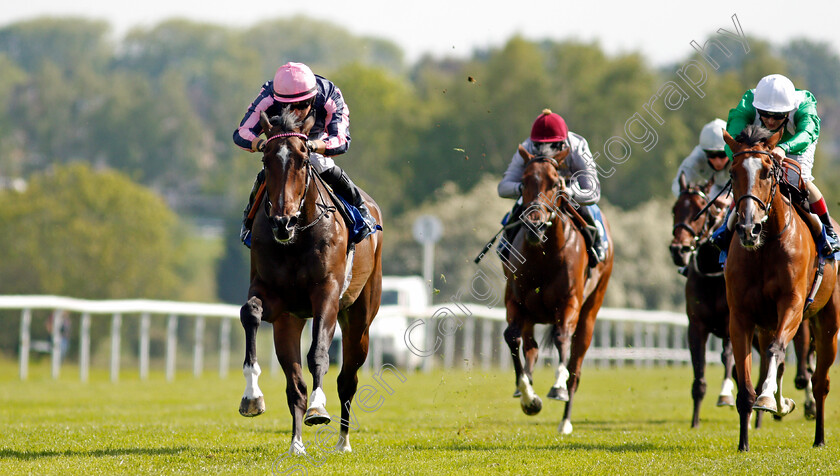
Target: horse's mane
289, 122
753, 134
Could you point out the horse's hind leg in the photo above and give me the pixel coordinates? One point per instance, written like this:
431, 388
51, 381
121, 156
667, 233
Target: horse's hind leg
354, 344
825, 339
563, 342
804, 367
287, 331
726, 398
250, 315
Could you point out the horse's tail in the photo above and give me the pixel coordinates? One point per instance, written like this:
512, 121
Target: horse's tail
548, 338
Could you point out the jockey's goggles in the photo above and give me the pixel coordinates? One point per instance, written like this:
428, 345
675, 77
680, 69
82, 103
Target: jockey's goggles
773, 115
300, 105
715, 154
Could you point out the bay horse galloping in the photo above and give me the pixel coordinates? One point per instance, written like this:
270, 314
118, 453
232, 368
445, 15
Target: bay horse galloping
773, 282
705, 289
555, 284
302, 266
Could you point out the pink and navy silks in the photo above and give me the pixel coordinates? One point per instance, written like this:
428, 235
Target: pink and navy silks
332, 117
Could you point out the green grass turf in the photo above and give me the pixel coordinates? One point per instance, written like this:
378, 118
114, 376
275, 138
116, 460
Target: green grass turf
626, 421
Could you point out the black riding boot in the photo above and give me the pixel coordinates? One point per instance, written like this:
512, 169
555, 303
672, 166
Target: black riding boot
346, 189
512, 223
245, 231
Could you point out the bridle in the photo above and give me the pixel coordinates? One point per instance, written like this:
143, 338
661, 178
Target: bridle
775, 175
556, 186
307, 163
695, 234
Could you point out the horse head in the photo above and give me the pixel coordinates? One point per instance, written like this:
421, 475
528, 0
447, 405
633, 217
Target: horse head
755, 181
542, 183
689, 224
287, 171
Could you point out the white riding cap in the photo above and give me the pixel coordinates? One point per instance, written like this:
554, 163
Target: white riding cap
711, 137
775, 93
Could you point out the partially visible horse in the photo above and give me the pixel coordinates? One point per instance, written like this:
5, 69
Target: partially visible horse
705, 289
705, 299
774, 280
303, 266
554, 286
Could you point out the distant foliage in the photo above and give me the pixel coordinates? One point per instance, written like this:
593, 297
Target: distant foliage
87, 234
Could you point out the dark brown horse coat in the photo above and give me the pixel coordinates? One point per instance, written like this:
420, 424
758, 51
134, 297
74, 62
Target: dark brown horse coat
299, 269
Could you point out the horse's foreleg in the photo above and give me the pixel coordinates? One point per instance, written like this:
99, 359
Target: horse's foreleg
513, 339
563, 342
318, 359
741, 335
725, 398
697, 337
250, 315
530, 402
287, 331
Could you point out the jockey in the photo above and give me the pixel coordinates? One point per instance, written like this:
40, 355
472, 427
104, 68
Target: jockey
550, 135
776, 104
296, 87
707, 161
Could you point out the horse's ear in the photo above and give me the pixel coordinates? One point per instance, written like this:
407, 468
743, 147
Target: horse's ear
265, 122
307, 124
732, 143
774, 139
683, 182
561, 156
524, 154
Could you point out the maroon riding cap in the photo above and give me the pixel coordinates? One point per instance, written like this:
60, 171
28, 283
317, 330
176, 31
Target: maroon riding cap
549, 127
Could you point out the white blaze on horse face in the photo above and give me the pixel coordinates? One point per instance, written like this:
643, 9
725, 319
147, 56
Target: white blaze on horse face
252, 374
752, 166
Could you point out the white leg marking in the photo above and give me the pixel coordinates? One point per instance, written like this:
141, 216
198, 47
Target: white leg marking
768, 388
561, 376
727, 387
565, 427
252, 388
297, 447
527, 391
318, 399
343, 445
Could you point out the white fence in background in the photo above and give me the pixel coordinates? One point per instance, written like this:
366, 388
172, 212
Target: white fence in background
474, 340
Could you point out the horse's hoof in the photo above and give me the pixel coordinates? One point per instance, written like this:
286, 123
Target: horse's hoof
559, 393
810, 410
801, 381
777, 417
767, 404
726, 401
316, 416
565, 427
532, 408
251, 407
788, 405
517, 393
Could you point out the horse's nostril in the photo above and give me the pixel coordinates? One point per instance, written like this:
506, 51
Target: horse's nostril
756, 230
